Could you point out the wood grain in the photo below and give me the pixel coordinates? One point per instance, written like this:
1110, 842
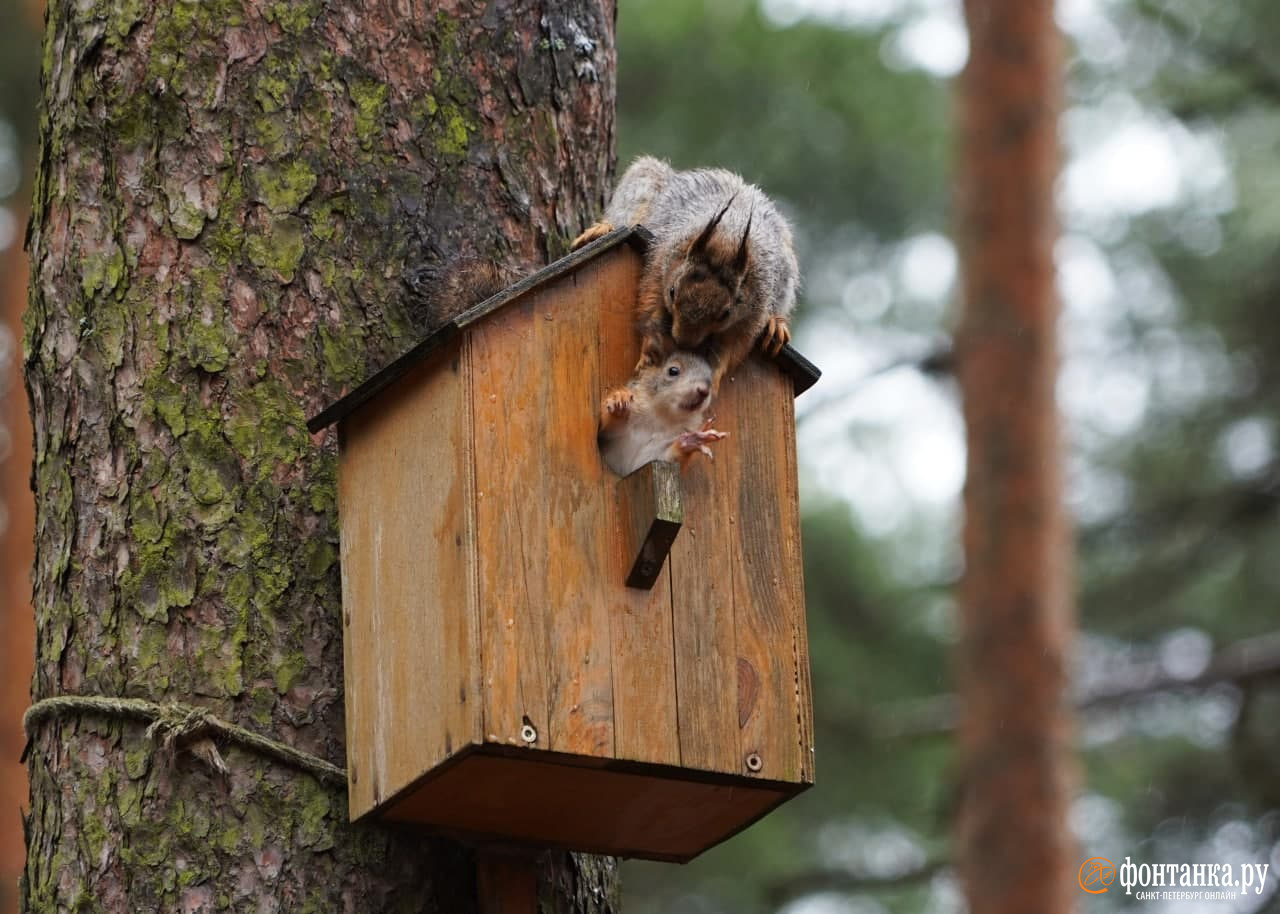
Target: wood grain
406, 542
702, 598
511, 464
765, 550
579, 674
791, 559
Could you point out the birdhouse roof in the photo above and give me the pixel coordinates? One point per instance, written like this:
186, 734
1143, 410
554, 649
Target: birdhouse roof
802, 372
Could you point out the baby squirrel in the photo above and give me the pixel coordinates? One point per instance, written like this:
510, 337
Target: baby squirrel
722, 270
661, 414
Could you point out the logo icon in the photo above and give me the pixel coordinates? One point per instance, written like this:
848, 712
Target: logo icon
1096, 874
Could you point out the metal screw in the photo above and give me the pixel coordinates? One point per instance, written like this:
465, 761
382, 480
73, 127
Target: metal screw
754, 762
528, 734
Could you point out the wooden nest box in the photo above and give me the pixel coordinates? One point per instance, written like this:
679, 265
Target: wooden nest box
502, 681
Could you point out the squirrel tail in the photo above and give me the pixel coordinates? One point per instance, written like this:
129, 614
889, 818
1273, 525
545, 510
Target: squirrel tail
442, 295
471, 282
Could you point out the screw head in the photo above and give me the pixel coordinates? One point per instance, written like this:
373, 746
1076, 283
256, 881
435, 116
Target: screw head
528, 734
754, 762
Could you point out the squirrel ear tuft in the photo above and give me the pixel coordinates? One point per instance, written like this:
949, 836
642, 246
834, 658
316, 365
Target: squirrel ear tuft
740, 258
700, 243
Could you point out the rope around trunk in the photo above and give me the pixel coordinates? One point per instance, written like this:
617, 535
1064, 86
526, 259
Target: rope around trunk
173, 726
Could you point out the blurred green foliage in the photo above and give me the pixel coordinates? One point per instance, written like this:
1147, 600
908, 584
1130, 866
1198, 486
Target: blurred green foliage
19, 86
805, 111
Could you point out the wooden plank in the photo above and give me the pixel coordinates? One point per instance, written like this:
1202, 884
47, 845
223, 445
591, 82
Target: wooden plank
360, 646
644, 676
769, 599
702, 598
546, 799
512, 526
792, 559
644, 685
406, 546
656, 513
579, 674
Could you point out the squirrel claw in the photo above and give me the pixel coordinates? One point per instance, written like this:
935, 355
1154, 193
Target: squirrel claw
618, 403
598, 230
687, 443
776, 335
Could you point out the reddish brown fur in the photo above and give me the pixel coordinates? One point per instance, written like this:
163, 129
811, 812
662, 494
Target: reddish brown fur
721, 271
712, 284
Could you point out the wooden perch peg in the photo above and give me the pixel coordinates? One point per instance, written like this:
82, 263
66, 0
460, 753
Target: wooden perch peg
655, 513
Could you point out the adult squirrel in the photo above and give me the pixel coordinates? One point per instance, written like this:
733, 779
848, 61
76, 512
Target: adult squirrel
661, 414
722, 270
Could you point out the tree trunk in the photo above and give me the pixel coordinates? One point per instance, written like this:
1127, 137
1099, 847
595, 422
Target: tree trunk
1013, 846
240, 210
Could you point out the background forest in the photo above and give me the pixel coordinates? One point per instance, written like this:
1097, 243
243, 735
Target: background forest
1168, 275
1168, 267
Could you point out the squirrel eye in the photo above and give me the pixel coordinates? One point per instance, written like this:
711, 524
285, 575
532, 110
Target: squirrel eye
673, 370
724, 315
671, 293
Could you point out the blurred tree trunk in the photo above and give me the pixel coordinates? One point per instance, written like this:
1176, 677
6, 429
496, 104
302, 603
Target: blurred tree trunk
1015, 852
15, 572
20, 25
236, 206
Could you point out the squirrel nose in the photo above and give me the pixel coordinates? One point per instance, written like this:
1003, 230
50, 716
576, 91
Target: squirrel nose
700, 395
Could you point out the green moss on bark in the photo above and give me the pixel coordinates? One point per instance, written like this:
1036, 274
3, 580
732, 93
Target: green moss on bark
370, 99
277, 249
283, 186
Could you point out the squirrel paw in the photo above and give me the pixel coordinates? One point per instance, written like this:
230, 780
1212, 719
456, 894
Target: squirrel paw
599, 230
688, 443
618, 403
776, 334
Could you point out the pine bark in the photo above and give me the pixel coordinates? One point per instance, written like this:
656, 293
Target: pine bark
1013, 845
241, 210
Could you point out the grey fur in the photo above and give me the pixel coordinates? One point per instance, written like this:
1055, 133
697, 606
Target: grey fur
677, 205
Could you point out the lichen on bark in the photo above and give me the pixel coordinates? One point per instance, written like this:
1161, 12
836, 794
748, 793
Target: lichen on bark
235, 204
